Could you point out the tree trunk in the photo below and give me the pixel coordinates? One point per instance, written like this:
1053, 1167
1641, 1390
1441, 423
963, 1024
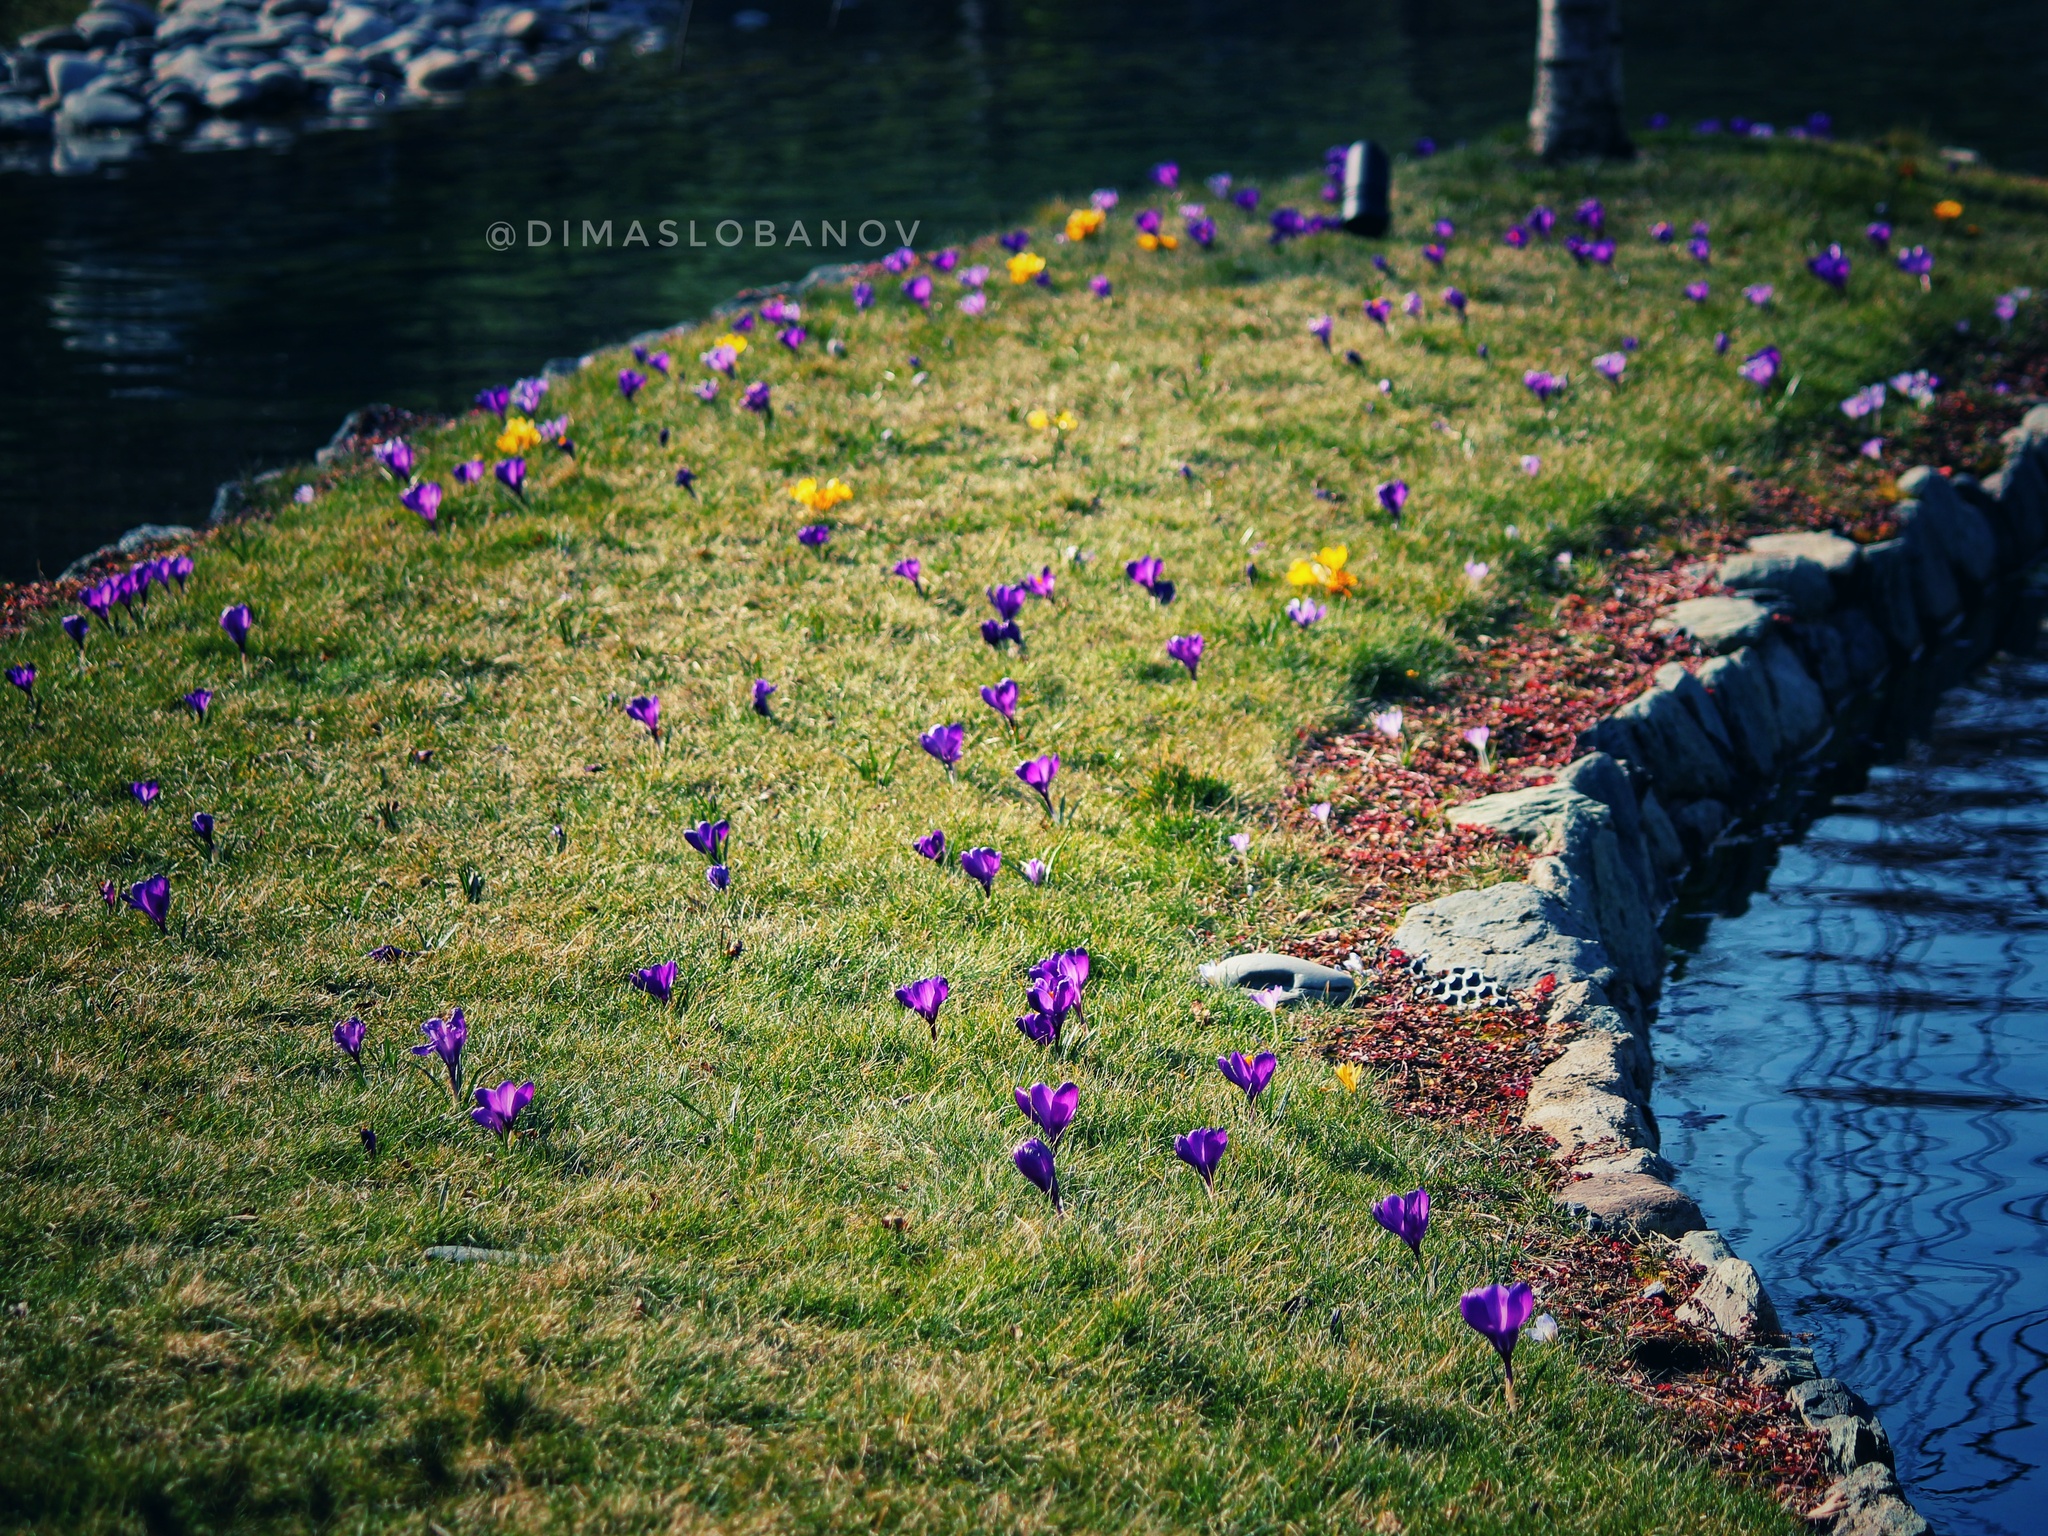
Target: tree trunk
1578, 81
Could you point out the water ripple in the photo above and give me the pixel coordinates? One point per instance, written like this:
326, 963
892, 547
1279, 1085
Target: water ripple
1852, 1070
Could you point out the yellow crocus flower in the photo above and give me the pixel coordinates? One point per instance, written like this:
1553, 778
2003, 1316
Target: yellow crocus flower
1302, 574
519, 436
805, 493
1038, 421
1083, 222
1948, 208
1024, 266
1347, 1074
732, 339
1066, 421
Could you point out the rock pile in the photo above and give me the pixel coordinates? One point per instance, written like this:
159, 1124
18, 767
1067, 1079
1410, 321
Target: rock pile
220, 72
1812, 624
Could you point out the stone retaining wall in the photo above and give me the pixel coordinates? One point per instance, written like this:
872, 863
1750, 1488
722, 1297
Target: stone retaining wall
1814, 627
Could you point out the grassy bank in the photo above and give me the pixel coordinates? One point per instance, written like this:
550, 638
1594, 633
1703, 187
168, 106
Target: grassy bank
785, 1275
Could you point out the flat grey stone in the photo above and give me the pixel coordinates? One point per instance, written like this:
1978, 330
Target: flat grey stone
1796, 580
1587, 870
1935, 593
1742, 692
1830, 551
1801, 710
1717, 624
1782, 1366
1825, 1397
1593, 1122
1731, 1302
1303, 981
23, 119
1510, 932
1856, 1442
358, 26
1872, 1504
70, 72
1705, 1248
1599, 1061
1516, 813
1683, 761
1957, 526
1599, 777
1863, 647
2022, 493
1674, 679
1661, 838
1633, 1160
96, 110
1821, 651
1630, 1204
1886, 572
441, 69
142, 535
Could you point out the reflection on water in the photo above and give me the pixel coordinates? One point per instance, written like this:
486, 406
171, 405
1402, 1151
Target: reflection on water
171, 321
1853, 1078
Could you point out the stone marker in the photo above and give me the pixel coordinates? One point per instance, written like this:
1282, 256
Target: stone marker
1301, 981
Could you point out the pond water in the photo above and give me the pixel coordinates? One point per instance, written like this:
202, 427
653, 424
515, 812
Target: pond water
1852, 1061
186, 317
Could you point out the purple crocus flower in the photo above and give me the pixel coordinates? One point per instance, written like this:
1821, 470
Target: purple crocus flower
1144, 571
995, 632
397, 458
1042, 584
24, 678
1035, 871
1252, 1076
444, 1039
1008, 602
1187, 650
1411, 306
180, 567
1761, 366
1034, 1160
718, 876
1602, 252
708, 838
152, 898
932, 845
1147, 222
1050, 1109
493, 400
348, 1034
1306, 611
1377, 310
528, 393
1201, 229
763, 692
1593, 214
1541, 221
1002, 698
1455, 298
631, 382
1406, 1216
496, 1108
1515, 236
423, 498
924, 998
1720, 342
1166, 174
900, 260
982, 865
918, 290
1247, 198
1393, 496
1831, 267
1038, 774
469, 471
1015, 240
814, 535
1202, 1150
1916, 262
660, 362
1611, 366
755, 397
686, 479
1433, 254
657, 981
1662, 232
511, 474
1100, 286
1322, 328
76, 625
1760, 294
911, 570
944, 743
1697, 292
146, 791
719, 360
863, 295
646, 708
238, 621
792, 337
1542, 383
1878, 234
1498, 1312
202, 828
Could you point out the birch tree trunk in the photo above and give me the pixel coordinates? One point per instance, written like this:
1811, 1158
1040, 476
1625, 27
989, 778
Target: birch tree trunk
1577, 110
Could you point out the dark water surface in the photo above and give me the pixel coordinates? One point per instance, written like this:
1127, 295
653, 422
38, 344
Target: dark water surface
191, 316
1853, 1082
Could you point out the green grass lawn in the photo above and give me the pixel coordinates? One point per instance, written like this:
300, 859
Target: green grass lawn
786, 1277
